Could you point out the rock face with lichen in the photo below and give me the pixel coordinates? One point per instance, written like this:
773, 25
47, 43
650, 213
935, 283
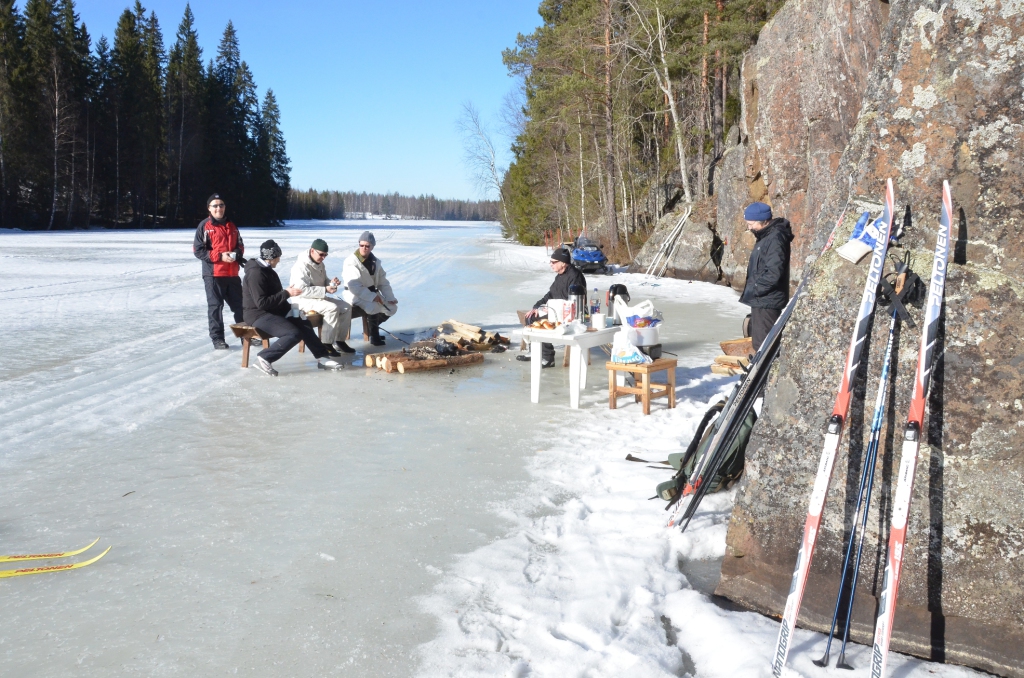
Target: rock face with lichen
944, 101
802, 86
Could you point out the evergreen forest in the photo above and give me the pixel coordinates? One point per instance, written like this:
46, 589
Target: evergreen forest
129, 133
313, 204
622, 112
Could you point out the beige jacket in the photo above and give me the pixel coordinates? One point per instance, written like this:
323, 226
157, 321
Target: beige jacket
310, 277
358, 281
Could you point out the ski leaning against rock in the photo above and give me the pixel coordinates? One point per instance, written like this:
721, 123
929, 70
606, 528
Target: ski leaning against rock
912, 441
766, 290
730, 422
267, 308
219, 246
834, 434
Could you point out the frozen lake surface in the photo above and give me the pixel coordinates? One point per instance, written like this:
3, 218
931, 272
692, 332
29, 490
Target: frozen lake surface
352, 523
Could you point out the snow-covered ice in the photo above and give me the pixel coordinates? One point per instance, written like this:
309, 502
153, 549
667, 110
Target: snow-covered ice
357, 523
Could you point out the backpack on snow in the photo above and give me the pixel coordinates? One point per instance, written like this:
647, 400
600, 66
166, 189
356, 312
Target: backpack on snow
684, 462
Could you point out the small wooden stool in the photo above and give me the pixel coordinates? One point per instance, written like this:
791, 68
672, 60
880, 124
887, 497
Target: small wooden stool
647, 389
245, 333
358, 312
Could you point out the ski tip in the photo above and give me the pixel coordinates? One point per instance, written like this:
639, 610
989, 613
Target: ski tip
5, 574
48, 556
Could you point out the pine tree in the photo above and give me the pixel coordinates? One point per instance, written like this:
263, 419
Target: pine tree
11, 72
152, 120
185, 118
278, 157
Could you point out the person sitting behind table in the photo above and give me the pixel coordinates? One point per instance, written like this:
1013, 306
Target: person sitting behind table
265, 306
310, 276
367, 287
566, 275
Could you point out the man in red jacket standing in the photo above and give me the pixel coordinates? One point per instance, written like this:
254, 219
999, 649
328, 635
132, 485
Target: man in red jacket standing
219, 246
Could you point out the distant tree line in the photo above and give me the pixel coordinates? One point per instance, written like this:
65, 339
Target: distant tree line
129, 134
313, 204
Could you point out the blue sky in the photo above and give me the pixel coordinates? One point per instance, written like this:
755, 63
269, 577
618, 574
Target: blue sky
369, 91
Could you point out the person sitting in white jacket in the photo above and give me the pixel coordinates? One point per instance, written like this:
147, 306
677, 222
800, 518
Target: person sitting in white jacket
367, 288
310, 276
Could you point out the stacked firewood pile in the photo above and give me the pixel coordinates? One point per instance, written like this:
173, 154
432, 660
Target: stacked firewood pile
471, 337
422, 355
737, 357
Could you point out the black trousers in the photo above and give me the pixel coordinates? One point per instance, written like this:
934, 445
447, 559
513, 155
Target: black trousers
761, 321
373, 320
289, 332
218, 291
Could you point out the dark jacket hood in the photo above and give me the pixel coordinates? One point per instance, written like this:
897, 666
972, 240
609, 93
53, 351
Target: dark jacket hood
780, 226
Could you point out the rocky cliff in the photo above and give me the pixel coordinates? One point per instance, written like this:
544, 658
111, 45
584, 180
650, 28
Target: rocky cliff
943, 99
802, 86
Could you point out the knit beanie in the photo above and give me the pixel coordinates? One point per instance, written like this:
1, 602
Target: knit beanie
368, 237
269, 250
757, 211
319, 245
561, 254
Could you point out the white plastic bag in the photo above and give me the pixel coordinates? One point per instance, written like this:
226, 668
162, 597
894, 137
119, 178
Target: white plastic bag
623, 350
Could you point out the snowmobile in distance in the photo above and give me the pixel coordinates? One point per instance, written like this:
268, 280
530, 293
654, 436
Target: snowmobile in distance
587, 255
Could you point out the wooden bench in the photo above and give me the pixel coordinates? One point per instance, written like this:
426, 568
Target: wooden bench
647, 390
248, 332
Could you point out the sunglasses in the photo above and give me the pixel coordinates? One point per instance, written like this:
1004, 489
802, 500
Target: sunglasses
217, 206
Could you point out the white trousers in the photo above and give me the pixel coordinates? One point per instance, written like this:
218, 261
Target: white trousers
337, 316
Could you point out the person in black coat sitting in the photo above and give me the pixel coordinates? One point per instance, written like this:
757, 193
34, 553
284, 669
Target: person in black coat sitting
766, 291
566, 275
265, 306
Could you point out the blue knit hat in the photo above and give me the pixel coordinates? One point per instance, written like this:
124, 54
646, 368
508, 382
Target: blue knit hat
757, 211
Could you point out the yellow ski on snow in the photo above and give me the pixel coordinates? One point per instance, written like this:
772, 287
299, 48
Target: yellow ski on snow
4, 574
47, 556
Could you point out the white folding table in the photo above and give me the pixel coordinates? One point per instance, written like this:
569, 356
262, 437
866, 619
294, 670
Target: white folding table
577, 344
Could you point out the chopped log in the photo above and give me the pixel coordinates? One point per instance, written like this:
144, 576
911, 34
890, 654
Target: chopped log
393, 363
374, 359
465, 326
453, 338
418, 365
732, 360
738, 347
726, 370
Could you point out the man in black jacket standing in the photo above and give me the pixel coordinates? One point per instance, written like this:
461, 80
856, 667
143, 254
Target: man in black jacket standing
566, 275
766, 291
265, 306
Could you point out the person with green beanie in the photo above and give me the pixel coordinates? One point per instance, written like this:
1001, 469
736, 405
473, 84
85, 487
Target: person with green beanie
309, 274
